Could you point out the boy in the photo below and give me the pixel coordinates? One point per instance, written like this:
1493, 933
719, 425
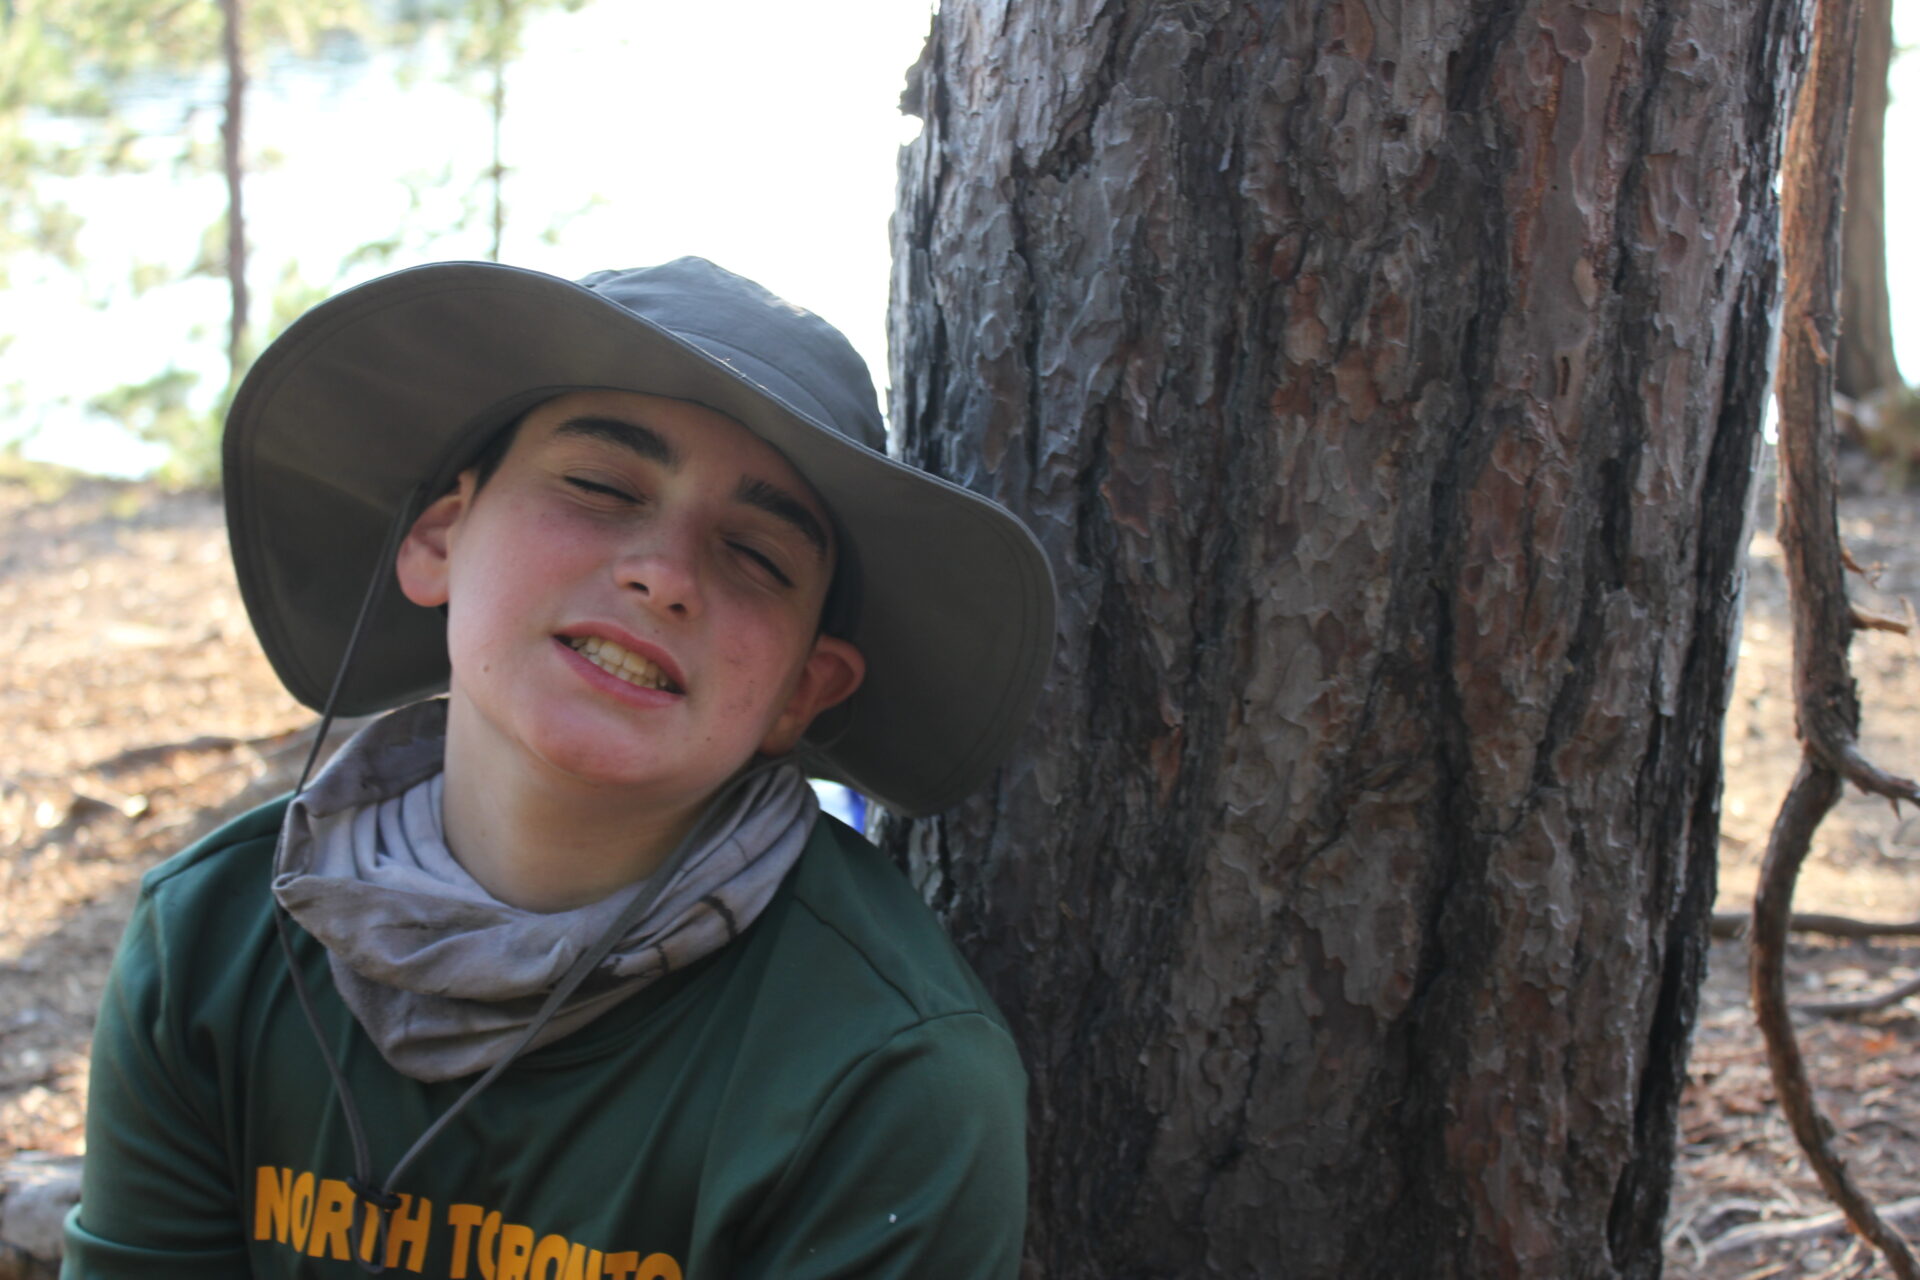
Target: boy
559, 976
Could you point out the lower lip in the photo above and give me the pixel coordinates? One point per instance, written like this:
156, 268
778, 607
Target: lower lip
612, 685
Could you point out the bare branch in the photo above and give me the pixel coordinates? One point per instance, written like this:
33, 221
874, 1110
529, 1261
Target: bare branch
1870, 777
1865, 621
1812, 794
1865, 1004
1826, 701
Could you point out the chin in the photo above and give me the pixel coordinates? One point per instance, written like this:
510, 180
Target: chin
601, 764
595, 761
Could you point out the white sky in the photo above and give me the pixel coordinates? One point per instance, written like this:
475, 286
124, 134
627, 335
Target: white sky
1903, 188
765, 139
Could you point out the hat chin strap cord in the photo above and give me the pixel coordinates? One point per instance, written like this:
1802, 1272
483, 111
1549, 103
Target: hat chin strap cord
377, 1199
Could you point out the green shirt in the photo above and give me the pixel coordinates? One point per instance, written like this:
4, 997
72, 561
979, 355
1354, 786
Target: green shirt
831, 1094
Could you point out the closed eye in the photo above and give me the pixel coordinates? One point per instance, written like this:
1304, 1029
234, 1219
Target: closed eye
601, 490
763, 562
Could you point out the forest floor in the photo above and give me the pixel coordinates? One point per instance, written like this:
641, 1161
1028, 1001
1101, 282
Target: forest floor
136, 713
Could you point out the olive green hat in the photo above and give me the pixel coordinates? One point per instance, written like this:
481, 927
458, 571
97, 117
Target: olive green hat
372, 403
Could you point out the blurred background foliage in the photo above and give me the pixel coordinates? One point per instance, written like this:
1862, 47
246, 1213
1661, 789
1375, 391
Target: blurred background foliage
70, 68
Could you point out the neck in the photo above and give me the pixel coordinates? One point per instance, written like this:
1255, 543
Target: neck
544, 842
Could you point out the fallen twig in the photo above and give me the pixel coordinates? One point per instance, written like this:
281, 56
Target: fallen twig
1864, 1004
1846, 1263
1833, 1223
1734, 924
140, 757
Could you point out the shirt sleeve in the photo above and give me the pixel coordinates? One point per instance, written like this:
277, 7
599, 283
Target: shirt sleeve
156, 1197
914, 1166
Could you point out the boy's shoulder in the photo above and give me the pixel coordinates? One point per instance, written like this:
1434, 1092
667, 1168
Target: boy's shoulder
853, 910
242, 845
206, 910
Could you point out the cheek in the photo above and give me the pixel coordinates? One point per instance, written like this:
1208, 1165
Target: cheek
747, 694
525, 559
760, 677
493, 595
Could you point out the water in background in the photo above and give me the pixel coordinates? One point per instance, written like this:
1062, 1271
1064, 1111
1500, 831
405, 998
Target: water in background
749, 132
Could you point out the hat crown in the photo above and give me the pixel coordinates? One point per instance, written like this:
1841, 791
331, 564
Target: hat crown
786, 350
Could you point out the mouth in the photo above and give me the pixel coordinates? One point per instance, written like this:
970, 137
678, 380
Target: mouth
622, 663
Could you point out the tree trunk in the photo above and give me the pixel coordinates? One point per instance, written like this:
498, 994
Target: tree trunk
1865, 361
1384, 379
230, 138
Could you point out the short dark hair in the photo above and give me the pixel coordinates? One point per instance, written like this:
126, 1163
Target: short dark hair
494, 452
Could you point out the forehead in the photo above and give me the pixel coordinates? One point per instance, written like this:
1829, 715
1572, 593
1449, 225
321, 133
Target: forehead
695, 438
699, 430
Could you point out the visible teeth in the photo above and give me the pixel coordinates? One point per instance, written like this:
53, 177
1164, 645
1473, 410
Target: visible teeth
613, 659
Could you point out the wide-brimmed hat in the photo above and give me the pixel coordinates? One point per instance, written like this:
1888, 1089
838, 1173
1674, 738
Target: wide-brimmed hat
376, 399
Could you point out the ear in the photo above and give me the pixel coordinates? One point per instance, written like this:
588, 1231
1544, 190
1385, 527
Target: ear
426, 552
832, 672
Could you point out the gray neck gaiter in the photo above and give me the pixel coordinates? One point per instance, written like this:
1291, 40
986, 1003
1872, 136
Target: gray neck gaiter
442, 975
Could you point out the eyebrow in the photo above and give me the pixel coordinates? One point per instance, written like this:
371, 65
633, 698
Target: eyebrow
762, 495
777, 502
630, 436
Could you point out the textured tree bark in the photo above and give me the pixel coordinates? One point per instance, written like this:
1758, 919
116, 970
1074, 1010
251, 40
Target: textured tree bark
1864, 362
1384, 379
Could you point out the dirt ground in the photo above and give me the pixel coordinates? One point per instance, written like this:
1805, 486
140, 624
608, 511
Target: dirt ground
1738, 1165
136, 712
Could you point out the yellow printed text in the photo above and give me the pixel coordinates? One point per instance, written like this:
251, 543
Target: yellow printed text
316, 1216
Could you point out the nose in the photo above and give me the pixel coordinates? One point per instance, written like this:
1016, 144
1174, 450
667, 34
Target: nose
663, 570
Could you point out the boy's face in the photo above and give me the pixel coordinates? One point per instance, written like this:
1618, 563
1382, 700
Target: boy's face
633, 598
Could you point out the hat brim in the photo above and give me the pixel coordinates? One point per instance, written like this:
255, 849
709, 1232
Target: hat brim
390, 388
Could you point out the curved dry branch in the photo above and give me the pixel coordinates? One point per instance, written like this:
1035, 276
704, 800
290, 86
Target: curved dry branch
1812, 794
1826, 702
